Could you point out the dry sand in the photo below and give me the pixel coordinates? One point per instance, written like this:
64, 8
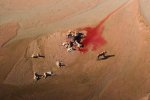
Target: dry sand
125, 76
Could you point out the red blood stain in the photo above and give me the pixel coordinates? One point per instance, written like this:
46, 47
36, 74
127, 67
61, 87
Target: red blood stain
93, 37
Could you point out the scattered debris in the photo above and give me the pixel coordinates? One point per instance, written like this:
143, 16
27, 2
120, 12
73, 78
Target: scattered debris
74, 40
79, 45
70, 34
69, 49
66, 44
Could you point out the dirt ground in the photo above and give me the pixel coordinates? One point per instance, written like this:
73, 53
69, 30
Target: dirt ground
29, 26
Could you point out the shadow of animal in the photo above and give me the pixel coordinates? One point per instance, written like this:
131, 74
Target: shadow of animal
62, 64
105, 57
41, 56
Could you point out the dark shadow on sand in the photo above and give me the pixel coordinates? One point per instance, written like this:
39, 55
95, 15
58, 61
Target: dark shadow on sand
62, 65
41, 56
106, 57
